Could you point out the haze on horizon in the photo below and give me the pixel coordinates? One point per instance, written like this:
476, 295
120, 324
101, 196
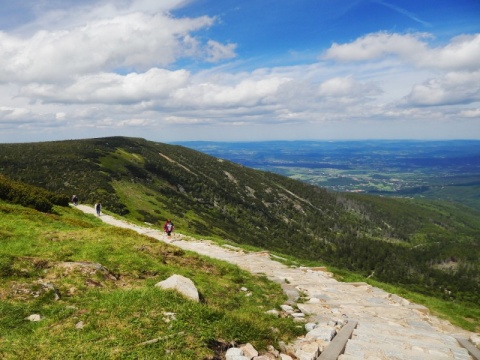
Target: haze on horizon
232, 70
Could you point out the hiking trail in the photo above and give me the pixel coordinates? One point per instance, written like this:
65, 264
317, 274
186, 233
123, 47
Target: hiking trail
389, 327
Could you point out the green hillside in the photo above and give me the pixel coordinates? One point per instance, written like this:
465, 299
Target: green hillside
92, 286
431, 247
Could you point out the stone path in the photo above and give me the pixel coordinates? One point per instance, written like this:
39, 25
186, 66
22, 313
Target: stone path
389, 327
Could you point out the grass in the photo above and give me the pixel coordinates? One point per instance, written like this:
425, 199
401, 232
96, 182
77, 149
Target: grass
108, 306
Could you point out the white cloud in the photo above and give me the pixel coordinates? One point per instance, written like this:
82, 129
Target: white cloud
462, 53
452, 88
110, 88
471, 113
9, 114
217, 51
120, 65
347, 87
131, 41
180, 120
378, 45
246, 93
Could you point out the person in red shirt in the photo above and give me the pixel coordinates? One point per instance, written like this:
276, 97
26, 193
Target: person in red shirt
168, 227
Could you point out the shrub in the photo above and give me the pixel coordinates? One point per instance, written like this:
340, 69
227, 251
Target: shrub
30, 196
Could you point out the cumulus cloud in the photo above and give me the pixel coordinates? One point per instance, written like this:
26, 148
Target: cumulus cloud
111, 88
339, 87
132, 41
452, 88
455, 81
462, 52
245, 93
374, 46
121, 65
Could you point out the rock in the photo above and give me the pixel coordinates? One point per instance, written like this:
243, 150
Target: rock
34, 317
298, 315
307, 351
321, 333
282, 346
50, 286
235, 354
285, 357
168, 316
299, 319
273, 312
266, 356
273, 351
181, 284
248, 350
310, 326
475, 339
287, 308
79, 325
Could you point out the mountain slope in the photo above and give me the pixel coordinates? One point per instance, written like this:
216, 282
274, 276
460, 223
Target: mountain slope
400, 241
89, 292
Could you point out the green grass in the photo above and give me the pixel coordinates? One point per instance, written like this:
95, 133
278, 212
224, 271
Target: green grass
118, 304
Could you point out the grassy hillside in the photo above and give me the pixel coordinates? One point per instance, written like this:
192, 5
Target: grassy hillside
93, 287
430, 247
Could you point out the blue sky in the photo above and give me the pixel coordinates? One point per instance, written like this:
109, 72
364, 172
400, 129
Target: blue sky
239, 70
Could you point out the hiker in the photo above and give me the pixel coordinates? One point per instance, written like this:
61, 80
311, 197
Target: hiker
98, 208
168, 227
75, 200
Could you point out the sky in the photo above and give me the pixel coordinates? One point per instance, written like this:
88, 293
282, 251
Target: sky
239, 70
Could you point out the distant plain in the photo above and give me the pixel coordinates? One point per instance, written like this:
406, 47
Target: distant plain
442, 170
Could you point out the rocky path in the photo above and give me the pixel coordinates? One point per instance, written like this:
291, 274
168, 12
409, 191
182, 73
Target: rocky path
389, 327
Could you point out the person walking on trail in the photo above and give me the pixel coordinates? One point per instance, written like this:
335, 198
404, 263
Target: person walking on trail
75, 200
168, 227
98, 208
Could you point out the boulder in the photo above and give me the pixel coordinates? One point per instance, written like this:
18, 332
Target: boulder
183, 285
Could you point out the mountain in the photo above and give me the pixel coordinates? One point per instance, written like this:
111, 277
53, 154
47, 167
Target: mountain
431, 247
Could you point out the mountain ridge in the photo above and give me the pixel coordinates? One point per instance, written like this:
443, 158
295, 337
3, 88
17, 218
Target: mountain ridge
395, 240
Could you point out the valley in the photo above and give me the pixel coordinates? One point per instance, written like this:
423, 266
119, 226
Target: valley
445, 170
